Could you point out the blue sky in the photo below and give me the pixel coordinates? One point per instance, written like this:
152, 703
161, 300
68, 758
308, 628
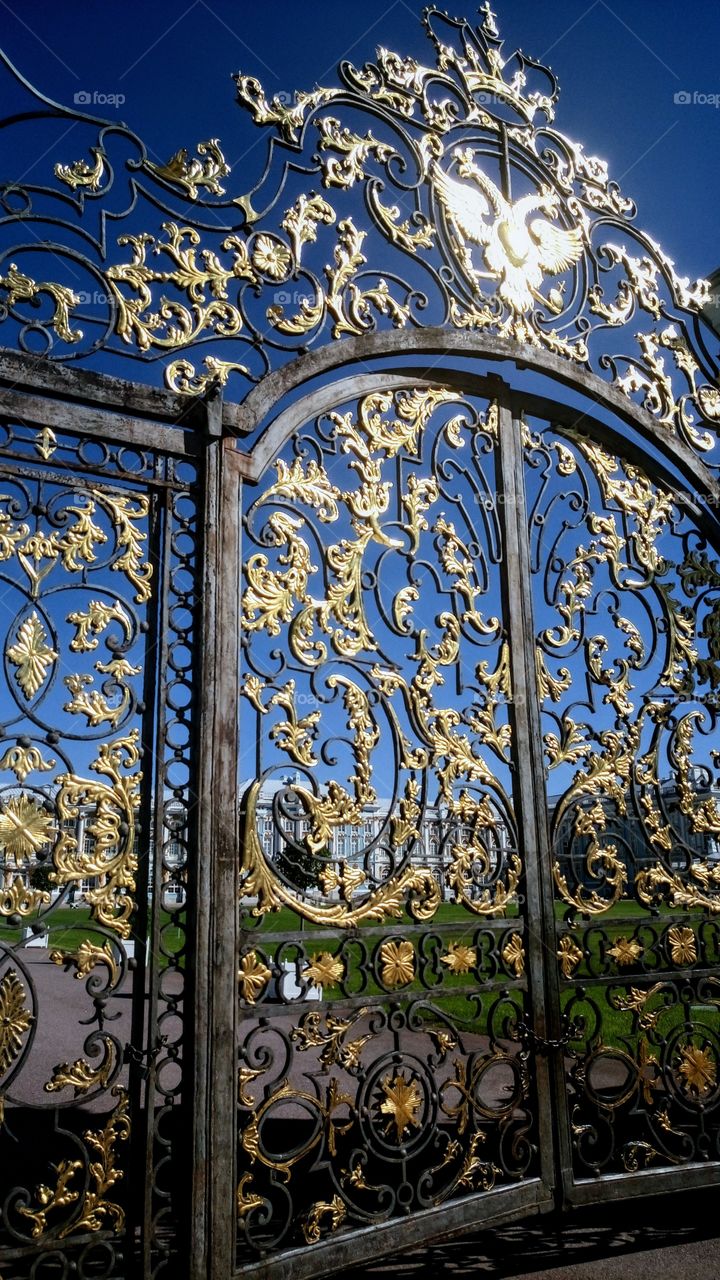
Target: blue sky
619, 67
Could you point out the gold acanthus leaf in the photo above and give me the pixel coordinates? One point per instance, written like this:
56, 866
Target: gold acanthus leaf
513, 954
203, 170
18, 899
569, 955
22, 288
15, 1018
253, 977
23, 759
332, 1213
87, 956
81, 1075
95, 1208
80, 174
113, 860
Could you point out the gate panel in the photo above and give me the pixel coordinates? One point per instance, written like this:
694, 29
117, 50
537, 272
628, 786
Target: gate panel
97, 565
627, 594
383, 960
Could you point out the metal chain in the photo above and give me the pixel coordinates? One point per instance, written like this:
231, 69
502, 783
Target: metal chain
541, 1044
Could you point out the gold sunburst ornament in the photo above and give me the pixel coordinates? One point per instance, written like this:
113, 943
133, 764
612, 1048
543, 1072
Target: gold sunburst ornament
625, 951
698, 1068
25, 828
402, 1103
324, 970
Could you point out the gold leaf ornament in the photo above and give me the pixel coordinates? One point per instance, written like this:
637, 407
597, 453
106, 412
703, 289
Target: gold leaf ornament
23, 759
15, 1018
31, 655
513, 954
569, 955
329, 1214
253, 977
113, 859
203, 170
625, 951
96, 1209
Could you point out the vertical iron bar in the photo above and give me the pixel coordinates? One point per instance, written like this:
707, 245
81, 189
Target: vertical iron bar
562, 1145
213, 1089
505, 167
140, 1157
529, 785
147, 972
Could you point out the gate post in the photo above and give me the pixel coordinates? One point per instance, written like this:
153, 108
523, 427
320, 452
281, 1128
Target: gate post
212, 1093
529, 781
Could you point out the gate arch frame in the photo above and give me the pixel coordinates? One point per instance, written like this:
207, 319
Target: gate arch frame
262, 412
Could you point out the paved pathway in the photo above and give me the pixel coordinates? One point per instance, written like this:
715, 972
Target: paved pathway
669, 1238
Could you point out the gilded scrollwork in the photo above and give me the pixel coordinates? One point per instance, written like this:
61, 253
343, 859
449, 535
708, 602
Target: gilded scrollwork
635, 815
86, 957
93, 1208
21, 288
202, 171
81, 1075
80, 175
113, 859
380, 853
518, 232
328, 618
326, 1216
373, 544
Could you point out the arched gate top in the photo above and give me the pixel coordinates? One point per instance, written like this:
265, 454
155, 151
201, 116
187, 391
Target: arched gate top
406, 195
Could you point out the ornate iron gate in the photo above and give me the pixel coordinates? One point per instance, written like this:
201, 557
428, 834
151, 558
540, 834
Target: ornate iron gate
99, 560
427, 940
480, 667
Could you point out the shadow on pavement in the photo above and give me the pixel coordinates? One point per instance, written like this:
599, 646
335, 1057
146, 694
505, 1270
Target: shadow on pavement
578, 1236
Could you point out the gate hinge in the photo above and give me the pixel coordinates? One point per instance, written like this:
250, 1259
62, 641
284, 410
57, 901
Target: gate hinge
571, 1031
144, 1058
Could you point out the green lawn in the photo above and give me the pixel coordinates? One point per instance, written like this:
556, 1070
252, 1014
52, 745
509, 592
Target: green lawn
469, 1004
70, 926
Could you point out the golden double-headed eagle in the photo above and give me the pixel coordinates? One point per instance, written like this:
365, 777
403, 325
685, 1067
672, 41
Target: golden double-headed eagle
517, 253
